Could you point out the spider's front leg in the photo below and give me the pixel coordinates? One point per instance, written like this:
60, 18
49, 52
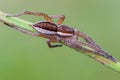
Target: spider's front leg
52, 46
86, 38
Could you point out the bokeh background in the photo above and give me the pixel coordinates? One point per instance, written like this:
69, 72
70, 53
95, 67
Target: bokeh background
23, 57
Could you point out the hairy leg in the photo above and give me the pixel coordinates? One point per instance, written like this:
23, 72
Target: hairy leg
86, 38
52, 46
22, 30
35, 14
60, 18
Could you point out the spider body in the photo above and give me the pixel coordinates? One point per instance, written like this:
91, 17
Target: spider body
52, 28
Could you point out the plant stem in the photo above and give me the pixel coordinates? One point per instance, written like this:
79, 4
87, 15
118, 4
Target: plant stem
16, 21
25, 25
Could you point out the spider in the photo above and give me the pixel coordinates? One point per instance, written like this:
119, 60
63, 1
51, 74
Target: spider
48, 29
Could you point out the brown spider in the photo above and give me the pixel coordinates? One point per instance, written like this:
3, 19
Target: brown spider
48, 29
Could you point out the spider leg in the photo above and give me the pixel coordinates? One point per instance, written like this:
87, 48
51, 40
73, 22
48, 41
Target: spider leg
23, 30
46, 17
60, 18
86, 38
52, 46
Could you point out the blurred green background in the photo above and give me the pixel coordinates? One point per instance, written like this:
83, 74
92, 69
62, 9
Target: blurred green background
23, 57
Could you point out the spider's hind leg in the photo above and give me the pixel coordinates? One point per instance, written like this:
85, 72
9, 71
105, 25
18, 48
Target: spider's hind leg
60, 18
32, 13
22, 30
